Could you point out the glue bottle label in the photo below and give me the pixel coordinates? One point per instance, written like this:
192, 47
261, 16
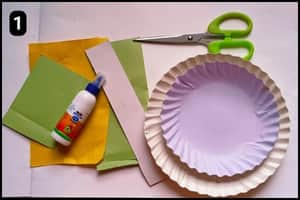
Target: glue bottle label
70, 123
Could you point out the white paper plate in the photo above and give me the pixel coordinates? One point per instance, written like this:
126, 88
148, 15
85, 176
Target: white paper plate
190, 178
220, 119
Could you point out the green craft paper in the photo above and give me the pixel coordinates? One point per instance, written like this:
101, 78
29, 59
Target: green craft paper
45, 87
118, 152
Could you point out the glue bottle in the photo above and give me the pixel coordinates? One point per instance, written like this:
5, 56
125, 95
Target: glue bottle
72, 121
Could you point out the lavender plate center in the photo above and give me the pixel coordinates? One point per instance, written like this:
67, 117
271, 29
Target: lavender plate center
218, 117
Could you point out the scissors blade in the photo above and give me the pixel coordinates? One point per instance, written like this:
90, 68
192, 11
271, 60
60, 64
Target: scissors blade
189, 39
175, 39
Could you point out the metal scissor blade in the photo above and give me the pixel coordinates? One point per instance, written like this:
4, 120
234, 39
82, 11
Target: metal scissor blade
177, 39
189, 39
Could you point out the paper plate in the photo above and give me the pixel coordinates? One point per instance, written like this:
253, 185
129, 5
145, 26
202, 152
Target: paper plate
220, 119
200, 182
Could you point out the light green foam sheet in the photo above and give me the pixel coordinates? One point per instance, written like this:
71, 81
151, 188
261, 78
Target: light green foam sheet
49, 86
118, 152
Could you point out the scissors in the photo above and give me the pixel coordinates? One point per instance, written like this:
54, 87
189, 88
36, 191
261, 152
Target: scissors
215, 38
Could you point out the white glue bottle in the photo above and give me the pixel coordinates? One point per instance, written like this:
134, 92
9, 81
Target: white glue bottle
71, 122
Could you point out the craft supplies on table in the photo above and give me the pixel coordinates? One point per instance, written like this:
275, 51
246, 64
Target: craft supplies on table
215, 38
42, 100
215, 124
178, 157
71, 123
70, 54
117, 152
116, 88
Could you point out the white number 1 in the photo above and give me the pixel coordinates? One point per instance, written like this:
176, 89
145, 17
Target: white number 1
18, 19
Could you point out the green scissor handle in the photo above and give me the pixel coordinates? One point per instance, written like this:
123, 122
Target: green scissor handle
216, 46
228, 42
214, 26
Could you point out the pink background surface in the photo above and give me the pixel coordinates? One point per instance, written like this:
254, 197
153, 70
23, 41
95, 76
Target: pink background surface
274, 36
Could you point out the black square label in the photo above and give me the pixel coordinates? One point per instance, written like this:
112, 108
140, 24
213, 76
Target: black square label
17, 23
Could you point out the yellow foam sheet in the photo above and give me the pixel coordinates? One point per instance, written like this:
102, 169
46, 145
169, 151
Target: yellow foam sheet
88, 148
